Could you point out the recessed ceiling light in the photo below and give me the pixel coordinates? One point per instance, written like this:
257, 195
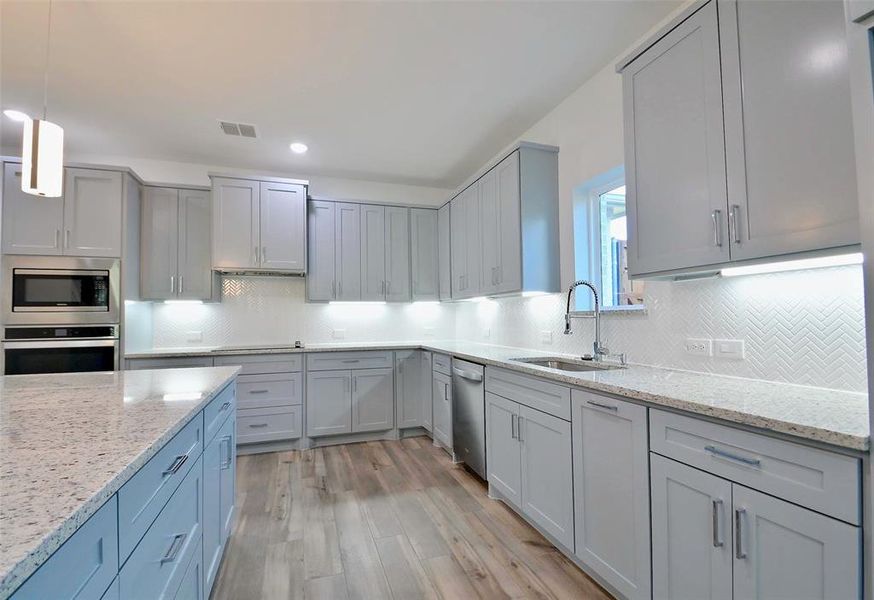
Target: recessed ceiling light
16, 115
298, 148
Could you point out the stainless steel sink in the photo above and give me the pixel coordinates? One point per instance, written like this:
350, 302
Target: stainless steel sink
566, 364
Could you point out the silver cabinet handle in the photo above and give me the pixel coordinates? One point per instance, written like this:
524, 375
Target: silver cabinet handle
734, 222
445, 393
469, 375
57, 237
716, 217
264, 254
258, 391
351, 361
172, 284
739, 550
175, 465
224, 407
718, 542
513, 426
753, 462
226, 464
174, 548
181, 282
604, 406
67, 238
519, 428
257, 425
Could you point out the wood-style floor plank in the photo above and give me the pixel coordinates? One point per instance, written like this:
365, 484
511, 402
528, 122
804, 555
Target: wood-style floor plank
394, 520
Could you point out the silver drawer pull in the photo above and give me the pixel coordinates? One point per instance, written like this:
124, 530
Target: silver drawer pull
258, 391
604, 406
350, 361
718, 542
257, 425
176, 465
226, 464
224, 407
753, 462
739, 550
174, 548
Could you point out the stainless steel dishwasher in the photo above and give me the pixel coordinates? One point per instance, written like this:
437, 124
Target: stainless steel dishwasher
469, 415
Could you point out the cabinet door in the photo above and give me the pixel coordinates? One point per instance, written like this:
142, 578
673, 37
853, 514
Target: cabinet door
508, 268
283, 226
458, 242
408, 370
547, 494
195, 245
320, 251
213, 457
236, 210
490, 232
503, 451
372, 400
785, 551
442, 397
691, 533
372, 252
444, 282
92, 213
347, 270
473, 226
423, 251
674, 150
159, 241
426, 388
228, 476
611, 491
786, 83
329, 403
31, 224
397, 254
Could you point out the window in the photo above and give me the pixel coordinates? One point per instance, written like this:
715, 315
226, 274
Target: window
600, 242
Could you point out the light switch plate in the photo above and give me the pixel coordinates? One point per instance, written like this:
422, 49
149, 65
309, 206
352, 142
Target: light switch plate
487, 333
729, 349
194, 336
699, 346
338, 334
546, 337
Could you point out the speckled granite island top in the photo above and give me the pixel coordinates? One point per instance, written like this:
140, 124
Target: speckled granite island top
831, 417
68, 442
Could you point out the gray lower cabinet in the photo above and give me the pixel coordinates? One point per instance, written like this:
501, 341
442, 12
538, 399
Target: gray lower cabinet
711, 536
372, 400
520, 442
611, 491
219, 471
441, 394
424, 254
409, 396
349, 401
321, 225
425, 377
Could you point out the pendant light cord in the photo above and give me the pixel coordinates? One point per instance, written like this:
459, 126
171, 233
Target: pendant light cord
45, 97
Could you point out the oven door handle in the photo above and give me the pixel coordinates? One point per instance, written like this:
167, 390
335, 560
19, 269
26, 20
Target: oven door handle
63, 272
59, 344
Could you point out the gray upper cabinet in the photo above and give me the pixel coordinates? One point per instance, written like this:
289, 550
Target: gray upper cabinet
789, 131
444, 279
85, 221
347, 244
503, 227
719, 116
674, 150
321, 224
235, 221
31, 224
372, 252
175, 245
259, 225
424, 253
283, 227
397, 254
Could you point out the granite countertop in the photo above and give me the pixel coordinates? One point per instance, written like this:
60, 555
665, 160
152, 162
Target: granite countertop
68, 442
833, 417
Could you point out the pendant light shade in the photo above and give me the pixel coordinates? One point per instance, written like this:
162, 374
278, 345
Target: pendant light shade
42, 158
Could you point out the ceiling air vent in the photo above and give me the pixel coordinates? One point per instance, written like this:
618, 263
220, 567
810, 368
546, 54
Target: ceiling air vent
239, 129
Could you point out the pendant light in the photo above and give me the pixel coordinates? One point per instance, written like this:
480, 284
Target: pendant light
42, 152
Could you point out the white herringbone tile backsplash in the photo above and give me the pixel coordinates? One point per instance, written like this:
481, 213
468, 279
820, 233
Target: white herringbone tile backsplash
803, 327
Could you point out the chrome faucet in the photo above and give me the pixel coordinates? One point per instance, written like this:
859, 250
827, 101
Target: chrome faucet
598, 351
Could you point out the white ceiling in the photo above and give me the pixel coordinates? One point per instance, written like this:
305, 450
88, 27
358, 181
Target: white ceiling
406, 92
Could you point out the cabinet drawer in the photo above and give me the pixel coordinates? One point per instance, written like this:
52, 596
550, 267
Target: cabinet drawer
443, 363
256, 364
181, 362
334, 361
268, 424
157, 566
84, 566
145, 494
530, 391
823, 481
269, 391
215, 413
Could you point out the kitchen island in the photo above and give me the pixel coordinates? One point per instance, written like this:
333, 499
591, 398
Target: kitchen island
69, 443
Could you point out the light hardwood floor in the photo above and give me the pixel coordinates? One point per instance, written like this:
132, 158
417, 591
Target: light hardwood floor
383, 520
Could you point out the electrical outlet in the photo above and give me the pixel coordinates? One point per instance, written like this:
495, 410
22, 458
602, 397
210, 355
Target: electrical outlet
729, 349
545, 337
338, 334
487, 333
699, 346
194, 336
429, 332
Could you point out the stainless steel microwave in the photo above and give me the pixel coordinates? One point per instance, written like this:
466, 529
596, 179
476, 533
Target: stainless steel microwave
60, 290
